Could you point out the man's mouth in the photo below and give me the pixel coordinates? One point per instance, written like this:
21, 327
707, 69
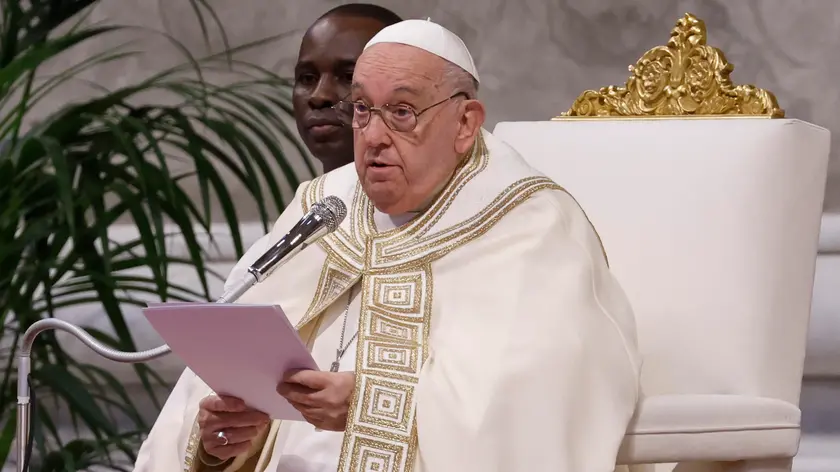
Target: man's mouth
325, 126
378, 171
322, 122
324, 130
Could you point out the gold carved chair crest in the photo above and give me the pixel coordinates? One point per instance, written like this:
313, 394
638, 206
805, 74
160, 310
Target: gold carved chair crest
685, 78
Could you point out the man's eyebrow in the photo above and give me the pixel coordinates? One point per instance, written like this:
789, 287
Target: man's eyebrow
345, 62
358, 88
398, 89
304, 65
407, 89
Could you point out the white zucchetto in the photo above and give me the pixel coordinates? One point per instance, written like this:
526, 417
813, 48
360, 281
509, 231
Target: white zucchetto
431, 37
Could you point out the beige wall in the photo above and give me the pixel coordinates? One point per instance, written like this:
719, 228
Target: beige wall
536, 56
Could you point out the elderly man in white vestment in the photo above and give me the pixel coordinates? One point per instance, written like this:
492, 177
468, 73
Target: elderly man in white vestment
465, 303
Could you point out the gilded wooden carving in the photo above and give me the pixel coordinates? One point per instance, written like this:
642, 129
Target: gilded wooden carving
686, 77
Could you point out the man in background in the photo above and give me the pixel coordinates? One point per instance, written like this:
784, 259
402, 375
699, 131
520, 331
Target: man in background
324, 72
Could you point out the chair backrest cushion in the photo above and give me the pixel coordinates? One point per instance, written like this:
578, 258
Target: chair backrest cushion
711, 226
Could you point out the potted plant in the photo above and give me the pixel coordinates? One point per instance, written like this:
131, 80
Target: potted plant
67, 180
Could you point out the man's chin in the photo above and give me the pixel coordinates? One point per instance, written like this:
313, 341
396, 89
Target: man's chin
322, 151
331, 153
384, 198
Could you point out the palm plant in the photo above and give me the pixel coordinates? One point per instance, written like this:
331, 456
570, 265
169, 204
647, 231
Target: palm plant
67, 180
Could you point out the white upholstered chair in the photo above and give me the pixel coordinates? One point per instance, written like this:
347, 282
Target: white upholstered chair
711, 225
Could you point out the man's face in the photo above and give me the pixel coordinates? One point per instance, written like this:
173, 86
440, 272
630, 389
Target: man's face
404, 171
323, 75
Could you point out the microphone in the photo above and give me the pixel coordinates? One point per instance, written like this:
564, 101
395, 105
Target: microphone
323, 218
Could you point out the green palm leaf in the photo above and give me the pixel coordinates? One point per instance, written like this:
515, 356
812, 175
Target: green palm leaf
65, 183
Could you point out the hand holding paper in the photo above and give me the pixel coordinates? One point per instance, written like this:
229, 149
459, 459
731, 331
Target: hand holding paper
322, 397
240, 424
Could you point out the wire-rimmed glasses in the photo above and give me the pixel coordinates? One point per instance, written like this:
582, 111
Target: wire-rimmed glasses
401, 118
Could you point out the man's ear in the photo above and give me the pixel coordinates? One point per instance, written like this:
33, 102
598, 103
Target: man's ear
472, 119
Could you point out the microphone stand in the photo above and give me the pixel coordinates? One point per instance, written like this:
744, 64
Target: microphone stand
28, 338
324, 217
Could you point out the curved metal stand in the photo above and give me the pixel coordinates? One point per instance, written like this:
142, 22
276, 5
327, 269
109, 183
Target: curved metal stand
23, 406
24, 361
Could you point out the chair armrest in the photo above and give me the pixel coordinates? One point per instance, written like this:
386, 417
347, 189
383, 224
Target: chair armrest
681, 428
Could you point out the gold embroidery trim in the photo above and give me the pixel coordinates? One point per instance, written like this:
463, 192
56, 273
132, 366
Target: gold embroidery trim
190, 462
336, 278
381, 432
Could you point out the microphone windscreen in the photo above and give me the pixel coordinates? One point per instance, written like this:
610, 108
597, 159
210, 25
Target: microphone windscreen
334, 211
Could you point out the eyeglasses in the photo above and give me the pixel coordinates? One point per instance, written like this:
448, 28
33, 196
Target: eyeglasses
401, 118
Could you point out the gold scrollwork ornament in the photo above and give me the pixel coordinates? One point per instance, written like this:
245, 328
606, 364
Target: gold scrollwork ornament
684, 78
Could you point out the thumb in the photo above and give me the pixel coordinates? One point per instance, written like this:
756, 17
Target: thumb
308, 378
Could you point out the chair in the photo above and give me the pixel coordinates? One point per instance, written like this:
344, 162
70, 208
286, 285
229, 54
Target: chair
708, 203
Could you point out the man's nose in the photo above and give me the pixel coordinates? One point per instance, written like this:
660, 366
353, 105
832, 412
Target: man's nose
324, 94
376, 133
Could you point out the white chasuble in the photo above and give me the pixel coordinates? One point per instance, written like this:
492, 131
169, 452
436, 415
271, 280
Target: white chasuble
491, 334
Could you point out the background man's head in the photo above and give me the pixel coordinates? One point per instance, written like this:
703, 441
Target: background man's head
323, 75
406, 153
